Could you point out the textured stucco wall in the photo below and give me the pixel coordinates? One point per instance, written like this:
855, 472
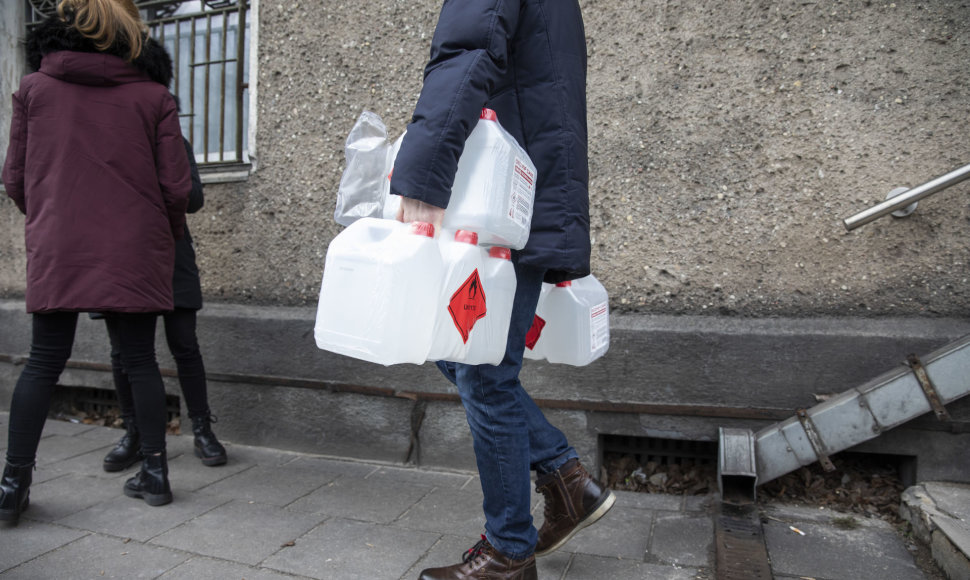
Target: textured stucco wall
727, 140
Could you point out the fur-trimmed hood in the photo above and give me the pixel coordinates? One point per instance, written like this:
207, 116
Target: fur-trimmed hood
55, 35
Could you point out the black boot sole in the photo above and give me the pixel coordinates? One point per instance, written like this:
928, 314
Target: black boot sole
13, 516
211, 461
152, 499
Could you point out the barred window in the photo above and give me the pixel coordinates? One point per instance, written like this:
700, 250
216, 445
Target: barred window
209, 44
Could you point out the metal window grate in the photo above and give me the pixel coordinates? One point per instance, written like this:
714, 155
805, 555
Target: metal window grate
94, 403
660, 451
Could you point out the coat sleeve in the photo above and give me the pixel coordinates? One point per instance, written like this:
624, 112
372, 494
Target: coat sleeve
196, 196
174, 174
13, 166
469, 54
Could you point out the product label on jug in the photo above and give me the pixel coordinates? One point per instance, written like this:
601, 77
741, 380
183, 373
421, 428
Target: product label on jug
523, 190
535, 331
467, 305
599, 326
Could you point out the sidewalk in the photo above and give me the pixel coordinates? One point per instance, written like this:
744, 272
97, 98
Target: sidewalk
271, 514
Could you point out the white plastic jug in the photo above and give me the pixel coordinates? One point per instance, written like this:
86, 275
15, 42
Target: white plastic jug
490, 335
381, 283
576, 317
494, 187
461, 302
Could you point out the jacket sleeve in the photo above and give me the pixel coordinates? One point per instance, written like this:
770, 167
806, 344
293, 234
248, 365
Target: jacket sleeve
196, 197
469, 54
172, 164
13, 166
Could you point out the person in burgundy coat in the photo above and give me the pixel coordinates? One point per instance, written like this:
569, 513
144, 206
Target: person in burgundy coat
97, 164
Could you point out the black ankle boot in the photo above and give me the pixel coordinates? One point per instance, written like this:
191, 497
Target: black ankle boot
207, 447
128, 450
151, 483
15, 491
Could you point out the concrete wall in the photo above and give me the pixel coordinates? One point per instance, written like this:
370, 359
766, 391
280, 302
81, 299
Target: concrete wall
727, 142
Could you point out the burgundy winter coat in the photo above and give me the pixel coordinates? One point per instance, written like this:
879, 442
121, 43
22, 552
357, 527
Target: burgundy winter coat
97, 164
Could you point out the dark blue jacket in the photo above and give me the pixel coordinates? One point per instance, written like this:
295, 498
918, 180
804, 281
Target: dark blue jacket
525, 59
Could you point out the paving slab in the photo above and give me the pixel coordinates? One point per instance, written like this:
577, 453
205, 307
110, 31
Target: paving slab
240, 531
130, 518
621, 533
361, 499
865, 549
30, 540
457, 512
201, 567
682, 540
341, 548
95, 556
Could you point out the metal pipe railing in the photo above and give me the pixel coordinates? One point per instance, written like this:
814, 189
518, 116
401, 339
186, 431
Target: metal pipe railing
900, 201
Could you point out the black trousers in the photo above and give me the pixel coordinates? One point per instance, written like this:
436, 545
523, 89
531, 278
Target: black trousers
184, 346
50, 348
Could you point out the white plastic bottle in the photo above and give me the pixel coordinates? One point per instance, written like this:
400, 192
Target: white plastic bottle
490, 335
494, 187
461, 298
381, 283
577, 322
533, 339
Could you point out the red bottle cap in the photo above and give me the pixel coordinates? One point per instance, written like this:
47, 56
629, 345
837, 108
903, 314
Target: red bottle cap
466, 236
500, 252
565, 284
422, 229
488, 115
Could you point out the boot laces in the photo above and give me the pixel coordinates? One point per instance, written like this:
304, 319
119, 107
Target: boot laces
476, 550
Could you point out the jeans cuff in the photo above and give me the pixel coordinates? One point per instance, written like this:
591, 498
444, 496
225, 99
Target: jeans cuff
551, 465
508, 553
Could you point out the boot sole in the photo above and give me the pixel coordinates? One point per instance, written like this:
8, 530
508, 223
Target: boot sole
211, 461
13, 516
152, 499
594, 516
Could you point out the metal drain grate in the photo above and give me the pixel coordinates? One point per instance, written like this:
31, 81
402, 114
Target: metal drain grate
94, 402
661, 451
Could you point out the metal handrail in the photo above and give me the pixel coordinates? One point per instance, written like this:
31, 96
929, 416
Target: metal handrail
901, 201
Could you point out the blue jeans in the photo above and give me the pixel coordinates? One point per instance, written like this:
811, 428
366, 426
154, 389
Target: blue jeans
510, 434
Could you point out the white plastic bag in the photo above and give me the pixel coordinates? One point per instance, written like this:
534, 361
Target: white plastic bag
361, 192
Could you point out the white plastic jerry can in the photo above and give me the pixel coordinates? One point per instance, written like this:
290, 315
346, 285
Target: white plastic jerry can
381, 282
494, 187
461, 298
575, 322
490, 335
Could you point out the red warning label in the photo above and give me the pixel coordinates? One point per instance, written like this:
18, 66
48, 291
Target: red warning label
467, 305
535, 331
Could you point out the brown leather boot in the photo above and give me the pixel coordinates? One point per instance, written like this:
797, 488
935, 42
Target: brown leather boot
574, 500
483, 562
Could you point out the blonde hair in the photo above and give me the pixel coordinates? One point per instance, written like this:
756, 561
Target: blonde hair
106, 21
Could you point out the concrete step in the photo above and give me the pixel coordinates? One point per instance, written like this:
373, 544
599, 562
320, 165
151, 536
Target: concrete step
939, 513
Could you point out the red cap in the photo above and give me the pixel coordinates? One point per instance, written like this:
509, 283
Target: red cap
422, 229
565, 284
488, 115
466, 236
500, 252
